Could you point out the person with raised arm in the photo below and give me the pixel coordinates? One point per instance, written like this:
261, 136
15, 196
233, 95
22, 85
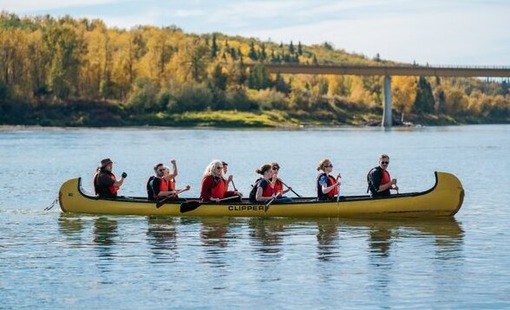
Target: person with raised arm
163, 185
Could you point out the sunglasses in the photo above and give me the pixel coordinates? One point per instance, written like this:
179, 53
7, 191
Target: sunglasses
219, 167
276, 168
327, 166
385, 162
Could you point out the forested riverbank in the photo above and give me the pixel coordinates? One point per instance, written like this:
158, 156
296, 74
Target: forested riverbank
79, 72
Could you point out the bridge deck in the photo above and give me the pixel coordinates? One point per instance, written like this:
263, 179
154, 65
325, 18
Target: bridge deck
406, 70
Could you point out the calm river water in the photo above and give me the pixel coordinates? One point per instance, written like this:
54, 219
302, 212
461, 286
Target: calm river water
52, 260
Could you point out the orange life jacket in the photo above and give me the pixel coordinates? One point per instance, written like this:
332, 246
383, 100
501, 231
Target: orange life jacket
278, 186
332, 193
219, 188
385, 177
112, 189
268, 190
166, 185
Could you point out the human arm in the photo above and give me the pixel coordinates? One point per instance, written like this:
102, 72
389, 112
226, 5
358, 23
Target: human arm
228, 181
206, 189
376, 178
118, 183
260, 191
323, 181
171, 176
108, 180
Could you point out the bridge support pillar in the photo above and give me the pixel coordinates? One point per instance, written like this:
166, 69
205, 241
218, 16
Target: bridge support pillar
387, 120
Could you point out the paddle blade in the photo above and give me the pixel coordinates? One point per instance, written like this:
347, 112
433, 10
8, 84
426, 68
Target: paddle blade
190, 206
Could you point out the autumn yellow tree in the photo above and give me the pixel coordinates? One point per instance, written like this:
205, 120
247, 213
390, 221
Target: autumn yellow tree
403, 94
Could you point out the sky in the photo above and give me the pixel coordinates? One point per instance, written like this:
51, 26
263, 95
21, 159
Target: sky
434, 32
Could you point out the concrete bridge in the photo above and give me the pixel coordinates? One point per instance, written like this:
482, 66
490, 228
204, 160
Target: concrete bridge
388, 71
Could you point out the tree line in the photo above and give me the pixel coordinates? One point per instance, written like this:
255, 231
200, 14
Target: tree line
67, 67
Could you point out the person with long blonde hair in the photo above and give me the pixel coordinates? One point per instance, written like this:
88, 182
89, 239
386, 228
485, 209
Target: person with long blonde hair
213, 184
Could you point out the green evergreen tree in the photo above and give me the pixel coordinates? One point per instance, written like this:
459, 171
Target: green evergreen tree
214, 47
233, 54
281, 85
259, 78
424, 102
218, 78
300, 49
252, 54
263, 54
291, 48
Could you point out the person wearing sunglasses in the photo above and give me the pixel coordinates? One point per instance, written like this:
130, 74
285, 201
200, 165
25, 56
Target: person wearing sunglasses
162, 184
328, 187
379, 180
263, 191
214, 184
277, 184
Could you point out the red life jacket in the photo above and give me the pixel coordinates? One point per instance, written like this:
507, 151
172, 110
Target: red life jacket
385, 177
278, 186
268, 191
332, 193
165, 186
219, 188
112, 189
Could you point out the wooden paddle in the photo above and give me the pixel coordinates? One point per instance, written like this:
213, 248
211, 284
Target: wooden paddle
268, 203
338, 194
163, 201
193, 204
291, 189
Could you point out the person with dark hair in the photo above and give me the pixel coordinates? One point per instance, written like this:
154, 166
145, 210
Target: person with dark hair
106, 184
277, 183
379, 180
162, 184
264, 191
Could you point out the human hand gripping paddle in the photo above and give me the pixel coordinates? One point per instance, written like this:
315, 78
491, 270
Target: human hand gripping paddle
162, 201
270, 201
193, 204
291, 189
338, 177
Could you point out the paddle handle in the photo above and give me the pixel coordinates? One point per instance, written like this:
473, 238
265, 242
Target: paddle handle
290, 189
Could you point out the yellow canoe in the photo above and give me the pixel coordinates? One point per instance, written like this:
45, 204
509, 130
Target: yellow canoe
444, 199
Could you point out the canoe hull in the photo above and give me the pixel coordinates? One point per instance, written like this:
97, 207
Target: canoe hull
444, 199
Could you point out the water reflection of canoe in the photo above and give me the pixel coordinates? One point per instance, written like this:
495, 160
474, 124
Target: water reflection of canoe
444, 199
442, 227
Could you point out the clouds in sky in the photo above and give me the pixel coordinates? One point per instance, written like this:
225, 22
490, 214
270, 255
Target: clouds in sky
448, 32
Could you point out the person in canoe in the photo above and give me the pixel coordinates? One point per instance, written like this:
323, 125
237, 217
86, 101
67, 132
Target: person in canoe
214, 185
162, 184
328, 187
106, 184
379, 180
277, 184
230, 178
264, 192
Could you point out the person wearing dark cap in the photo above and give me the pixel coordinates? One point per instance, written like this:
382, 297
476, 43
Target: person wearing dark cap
106, 184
